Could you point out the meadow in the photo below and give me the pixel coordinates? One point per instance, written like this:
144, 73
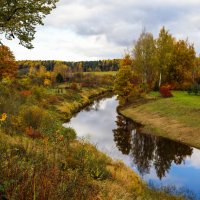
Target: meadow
176, 118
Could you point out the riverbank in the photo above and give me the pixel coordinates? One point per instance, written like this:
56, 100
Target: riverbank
175, 118
41, 160
74, 101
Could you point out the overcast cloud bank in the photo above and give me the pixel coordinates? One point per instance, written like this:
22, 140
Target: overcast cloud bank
102, 29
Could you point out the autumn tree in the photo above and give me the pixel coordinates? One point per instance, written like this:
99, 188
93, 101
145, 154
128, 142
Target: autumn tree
145, 59
41, 73
182, 64
59, 78
123, 84
19, 18
8, 66
32, 71
61, 69
127, 60
165, 45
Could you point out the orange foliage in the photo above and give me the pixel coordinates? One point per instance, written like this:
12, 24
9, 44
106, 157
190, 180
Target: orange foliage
33, 133
8, 66
74, 86
25, 93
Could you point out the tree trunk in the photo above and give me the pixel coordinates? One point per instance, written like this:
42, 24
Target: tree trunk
160, 80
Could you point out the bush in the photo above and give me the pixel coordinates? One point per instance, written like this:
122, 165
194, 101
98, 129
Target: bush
59, 78
37, 121
38, 92
69, 133
74, 86
25, 93
32, 116
165, 92
91, 162
33, 133
194, 89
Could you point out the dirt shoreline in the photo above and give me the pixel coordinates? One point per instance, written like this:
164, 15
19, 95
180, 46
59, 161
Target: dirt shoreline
163, 126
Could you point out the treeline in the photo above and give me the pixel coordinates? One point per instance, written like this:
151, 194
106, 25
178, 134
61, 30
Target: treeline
157, 62
82, 66
51, 73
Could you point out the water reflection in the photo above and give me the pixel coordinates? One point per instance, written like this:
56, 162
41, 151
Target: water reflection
148, 151
91, 107
154, 158
122, 135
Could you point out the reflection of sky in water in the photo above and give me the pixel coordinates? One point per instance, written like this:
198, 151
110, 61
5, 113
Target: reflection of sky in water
97, 125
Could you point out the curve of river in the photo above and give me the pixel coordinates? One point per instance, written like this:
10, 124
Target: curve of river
160, 162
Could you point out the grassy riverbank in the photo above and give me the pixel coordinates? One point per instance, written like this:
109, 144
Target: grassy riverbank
41, 160
34, 169
68, 102
176, 118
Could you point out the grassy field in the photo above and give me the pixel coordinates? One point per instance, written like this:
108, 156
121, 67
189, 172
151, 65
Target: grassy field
176, 118
102, 73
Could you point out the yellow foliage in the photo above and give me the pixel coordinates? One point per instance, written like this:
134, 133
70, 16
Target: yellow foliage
68, 108
3, 117
47, 82
48, 74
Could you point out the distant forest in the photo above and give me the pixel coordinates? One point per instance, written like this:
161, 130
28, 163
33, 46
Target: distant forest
82, 66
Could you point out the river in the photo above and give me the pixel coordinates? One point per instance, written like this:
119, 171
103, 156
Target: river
159, 162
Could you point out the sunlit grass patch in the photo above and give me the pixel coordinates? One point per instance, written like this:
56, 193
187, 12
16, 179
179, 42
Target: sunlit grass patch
102, 73
176, 117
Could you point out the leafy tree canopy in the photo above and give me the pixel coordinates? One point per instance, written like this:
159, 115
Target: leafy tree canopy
19, 18
8, 66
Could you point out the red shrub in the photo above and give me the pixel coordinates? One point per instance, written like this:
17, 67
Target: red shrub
25, 93
74, 86
165, 91
30, 132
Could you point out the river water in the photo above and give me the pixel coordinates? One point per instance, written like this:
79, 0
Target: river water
160, 162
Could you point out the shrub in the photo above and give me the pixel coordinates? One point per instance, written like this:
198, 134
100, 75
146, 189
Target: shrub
33, 133
74, 86
23, 83
25, 93
97, 168
38, 92
68, 133
165, 91
194, 89
32, 116
37, 119
47, 82
59, 78
54, 99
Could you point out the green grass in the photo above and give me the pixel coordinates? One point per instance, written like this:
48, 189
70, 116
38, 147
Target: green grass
182, 107
176, 118
102, 73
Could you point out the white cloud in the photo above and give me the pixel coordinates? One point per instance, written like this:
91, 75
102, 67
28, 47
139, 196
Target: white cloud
97, 29
194, 161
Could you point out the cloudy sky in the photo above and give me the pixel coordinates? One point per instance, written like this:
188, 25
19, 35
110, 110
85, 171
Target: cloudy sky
103, 29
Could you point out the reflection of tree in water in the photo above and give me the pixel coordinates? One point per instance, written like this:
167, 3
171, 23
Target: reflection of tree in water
97, 104
168, 151
94, 106
122, 135
147, 150
142, 151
